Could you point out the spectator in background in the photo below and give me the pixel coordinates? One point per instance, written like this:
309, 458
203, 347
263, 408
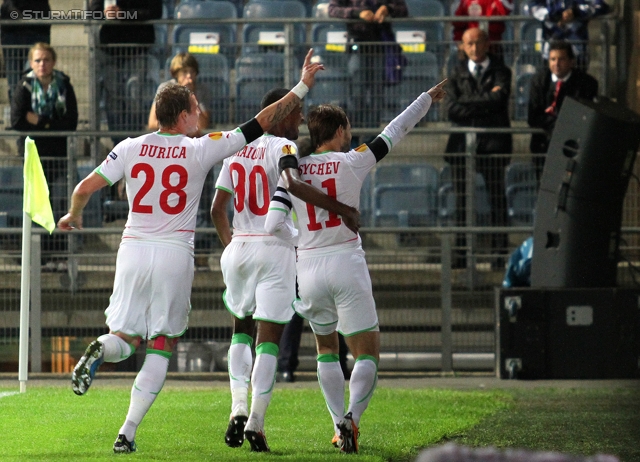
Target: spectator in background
549, 88
44, 100
367, 61
567, 20
10, 36
125, 62
478, 93
475, 10
184, 70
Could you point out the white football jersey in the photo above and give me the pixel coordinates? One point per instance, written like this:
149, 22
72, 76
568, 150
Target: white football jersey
164, 177
339, 175
251, 175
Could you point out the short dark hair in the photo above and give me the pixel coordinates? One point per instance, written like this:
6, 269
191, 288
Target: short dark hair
323, 122
170, 102
272, 96
562, 45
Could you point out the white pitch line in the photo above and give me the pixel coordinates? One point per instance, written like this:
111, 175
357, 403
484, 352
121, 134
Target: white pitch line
4, 394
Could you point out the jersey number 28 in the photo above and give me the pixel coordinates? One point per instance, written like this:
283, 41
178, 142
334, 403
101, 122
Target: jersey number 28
169, 189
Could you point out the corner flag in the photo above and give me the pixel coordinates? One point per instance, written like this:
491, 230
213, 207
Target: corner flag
36, 202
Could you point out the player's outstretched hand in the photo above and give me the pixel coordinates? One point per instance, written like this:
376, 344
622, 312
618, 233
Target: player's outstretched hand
352, 220
309, 69
437, 92
69, 222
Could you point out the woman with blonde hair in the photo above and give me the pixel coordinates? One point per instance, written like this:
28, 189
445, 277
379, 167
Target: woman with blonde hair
184, 70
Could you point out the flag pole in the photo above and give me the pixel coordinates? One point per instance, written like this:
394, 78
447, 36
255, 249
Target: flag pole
25, 288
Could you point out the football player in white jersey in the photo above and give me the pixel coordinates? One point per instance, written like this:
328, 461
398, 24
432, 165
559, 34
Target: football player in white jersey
258, 268
334, 282
164, 174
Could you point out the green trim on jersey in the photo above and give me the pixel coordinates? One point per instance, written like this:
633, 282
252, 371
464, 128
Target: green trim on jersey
98, 172
226, 305
241, 338
320, 153
278, 209
388, 139
267, 348
168, 134
328, 358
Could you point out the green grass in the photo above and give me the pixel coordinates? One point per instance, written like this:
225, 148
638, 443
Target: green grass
51, 424
574, 421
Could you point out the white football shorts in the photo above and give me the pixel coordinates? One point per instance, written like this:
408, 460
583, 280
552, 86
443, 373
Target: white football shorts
152, 290
335, 294
261, 279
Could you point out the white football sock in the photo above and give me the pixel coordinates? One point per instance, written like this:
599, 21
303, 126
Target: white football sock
263, 379
364, 378
240, 361
331, 380
146, 387
115, 348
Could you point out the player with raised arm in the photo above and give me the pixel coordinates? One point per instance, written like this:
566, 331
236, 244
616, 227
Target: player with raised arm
258, 268
164, 174
334, 282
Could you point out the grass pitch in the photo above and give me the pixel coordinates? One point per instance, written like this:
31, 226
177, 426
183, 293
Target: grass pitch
50, 424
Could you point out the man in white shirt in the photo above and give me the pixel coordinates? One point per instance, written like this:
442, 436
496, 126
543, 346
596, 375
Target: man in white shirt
334, 282
258, 268
164, 174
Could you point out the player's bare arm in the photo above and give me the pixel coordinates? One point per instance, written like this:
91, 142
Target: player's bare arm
79, 199
306, 192
273, 114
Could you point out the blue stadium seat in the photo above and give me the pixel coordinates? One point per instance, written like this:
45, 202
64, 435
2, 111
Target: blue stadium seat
405, 195
255, 75
521, 190
521, 99
420, 74
210, 38
257, 37
214, 74
92, 214
530, 54
11, 191
447, 199
366, 201
417, 36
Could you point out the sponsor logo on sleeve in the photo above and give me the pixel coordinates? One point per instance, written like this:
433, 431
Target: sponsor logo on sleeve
215, 135
362, 148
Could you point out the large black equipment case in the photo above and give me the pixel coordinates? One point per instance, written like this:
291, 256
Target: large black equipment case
568, 333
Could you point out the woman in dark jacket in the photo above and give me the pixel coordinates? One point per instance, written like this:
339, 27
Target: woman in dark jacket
44, 100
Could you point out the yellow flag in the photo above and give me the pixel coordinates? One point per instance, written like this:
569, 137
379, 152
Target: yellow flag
36, 191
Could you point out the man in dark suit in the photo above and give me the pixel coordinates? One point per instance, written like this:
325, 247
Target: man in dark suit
549, 88
478, 93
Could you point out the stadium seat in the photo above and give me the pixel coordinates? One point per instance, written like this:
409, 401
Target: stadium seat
211, 38
420, 74
366, 201
530, 54
266, 37
405, 195
255, 75
92, 214
521, 100
521, 190
214, 74
329, 42
417, 36
447, 199
11, 191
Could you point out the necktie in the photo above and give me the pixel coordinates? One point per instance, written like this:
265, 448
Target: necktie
478, 72
553, 109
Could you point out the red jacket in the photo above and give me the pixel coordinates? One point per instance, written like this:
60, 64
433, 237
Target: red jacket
489, 8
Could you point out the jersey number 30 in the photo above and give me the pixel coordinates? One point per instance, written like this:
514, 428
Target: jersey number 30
169, 189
